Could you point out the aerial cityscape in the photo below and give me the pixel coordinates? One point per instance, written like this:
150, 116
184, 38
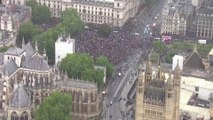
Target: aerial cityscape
106, 59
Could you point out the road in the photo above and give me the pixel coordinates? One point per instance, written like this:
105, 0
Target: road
117, 91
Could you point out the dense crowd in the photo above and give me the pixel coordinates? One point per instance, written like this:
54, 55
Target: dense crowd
116, 47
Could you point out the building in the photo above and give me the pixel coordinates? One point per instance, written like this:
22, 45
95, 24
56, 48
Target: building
17, 2
176, 59
157, 99
87, 102
204, 20
11, 18
63, 46
175, 17
26, 80
112, 12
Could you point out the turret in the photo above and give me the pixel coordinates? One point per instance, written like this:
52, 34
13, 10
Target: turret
36, 46
169, 98
45, 54
177, 87
148, 72
211, 106
23, 43
139, 96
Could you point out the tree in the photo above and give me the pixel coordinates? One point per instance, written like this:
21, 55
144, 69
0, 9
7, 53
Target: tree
32, 3
72, 23
40, 14
103, 61
81, 66
55, 107
28, 31
104, 30
158, 45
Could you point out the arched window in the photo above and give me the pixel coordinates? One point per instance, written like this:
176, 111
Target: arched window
24, 116
14, 116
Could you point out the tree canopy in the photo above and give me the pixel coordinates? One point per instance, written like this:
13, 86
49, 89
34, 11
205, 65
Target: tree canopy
28, 31
57, 106
81, 66
47, 39
40, 14
103, 61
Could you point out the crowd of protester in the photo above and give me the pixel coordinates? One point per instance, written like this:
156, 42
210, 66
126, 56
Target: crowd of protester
116, 47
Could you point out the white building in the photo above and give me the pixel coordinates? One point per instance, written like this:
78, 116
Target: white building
63, 46
177, 58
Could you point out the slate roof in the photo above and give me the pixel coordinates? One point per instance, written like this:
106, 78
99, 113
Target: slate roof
35, 62
20, 98
14, 51
1, 58
9, 68
194, 61
29, 49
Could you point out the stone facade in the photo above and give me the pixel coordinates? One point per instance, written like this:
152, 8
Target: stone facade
112, 12
11, 18
87, 102
204, 20
26, 80
157, 99
175, 17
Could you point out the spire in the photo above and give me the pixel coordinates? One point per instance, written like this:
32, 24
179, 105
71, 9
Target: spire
159, 73
169, 81
23, 42
148, 66
195, 47
36, 46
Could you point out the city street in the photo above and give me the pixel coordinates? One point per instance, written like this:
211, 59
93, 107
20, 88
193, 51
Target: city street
114, 106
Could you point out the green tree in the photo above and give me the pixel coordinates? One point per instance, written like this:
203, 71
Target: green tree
4, 49
103, 61
72, 22
104, 30
40, 14
81, 66
98, 77
158, 45
32, 3
28, 31
55, 107
77, 64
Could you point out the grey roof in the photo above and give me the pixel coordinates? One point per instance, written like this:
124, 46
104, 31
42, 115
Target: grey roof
20, 98
35, 62
194, 61
14, 51
1, 58
29, 49
9, 68
78, 84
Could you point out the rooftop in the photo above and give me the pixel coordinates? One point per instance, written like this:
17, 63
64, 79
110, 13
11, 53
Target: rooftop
206, 7
78, 84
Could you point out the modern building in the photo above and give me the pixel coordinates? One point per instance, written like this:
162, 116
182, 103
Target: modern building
156, 97
175, 18
204, 20
63, 46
